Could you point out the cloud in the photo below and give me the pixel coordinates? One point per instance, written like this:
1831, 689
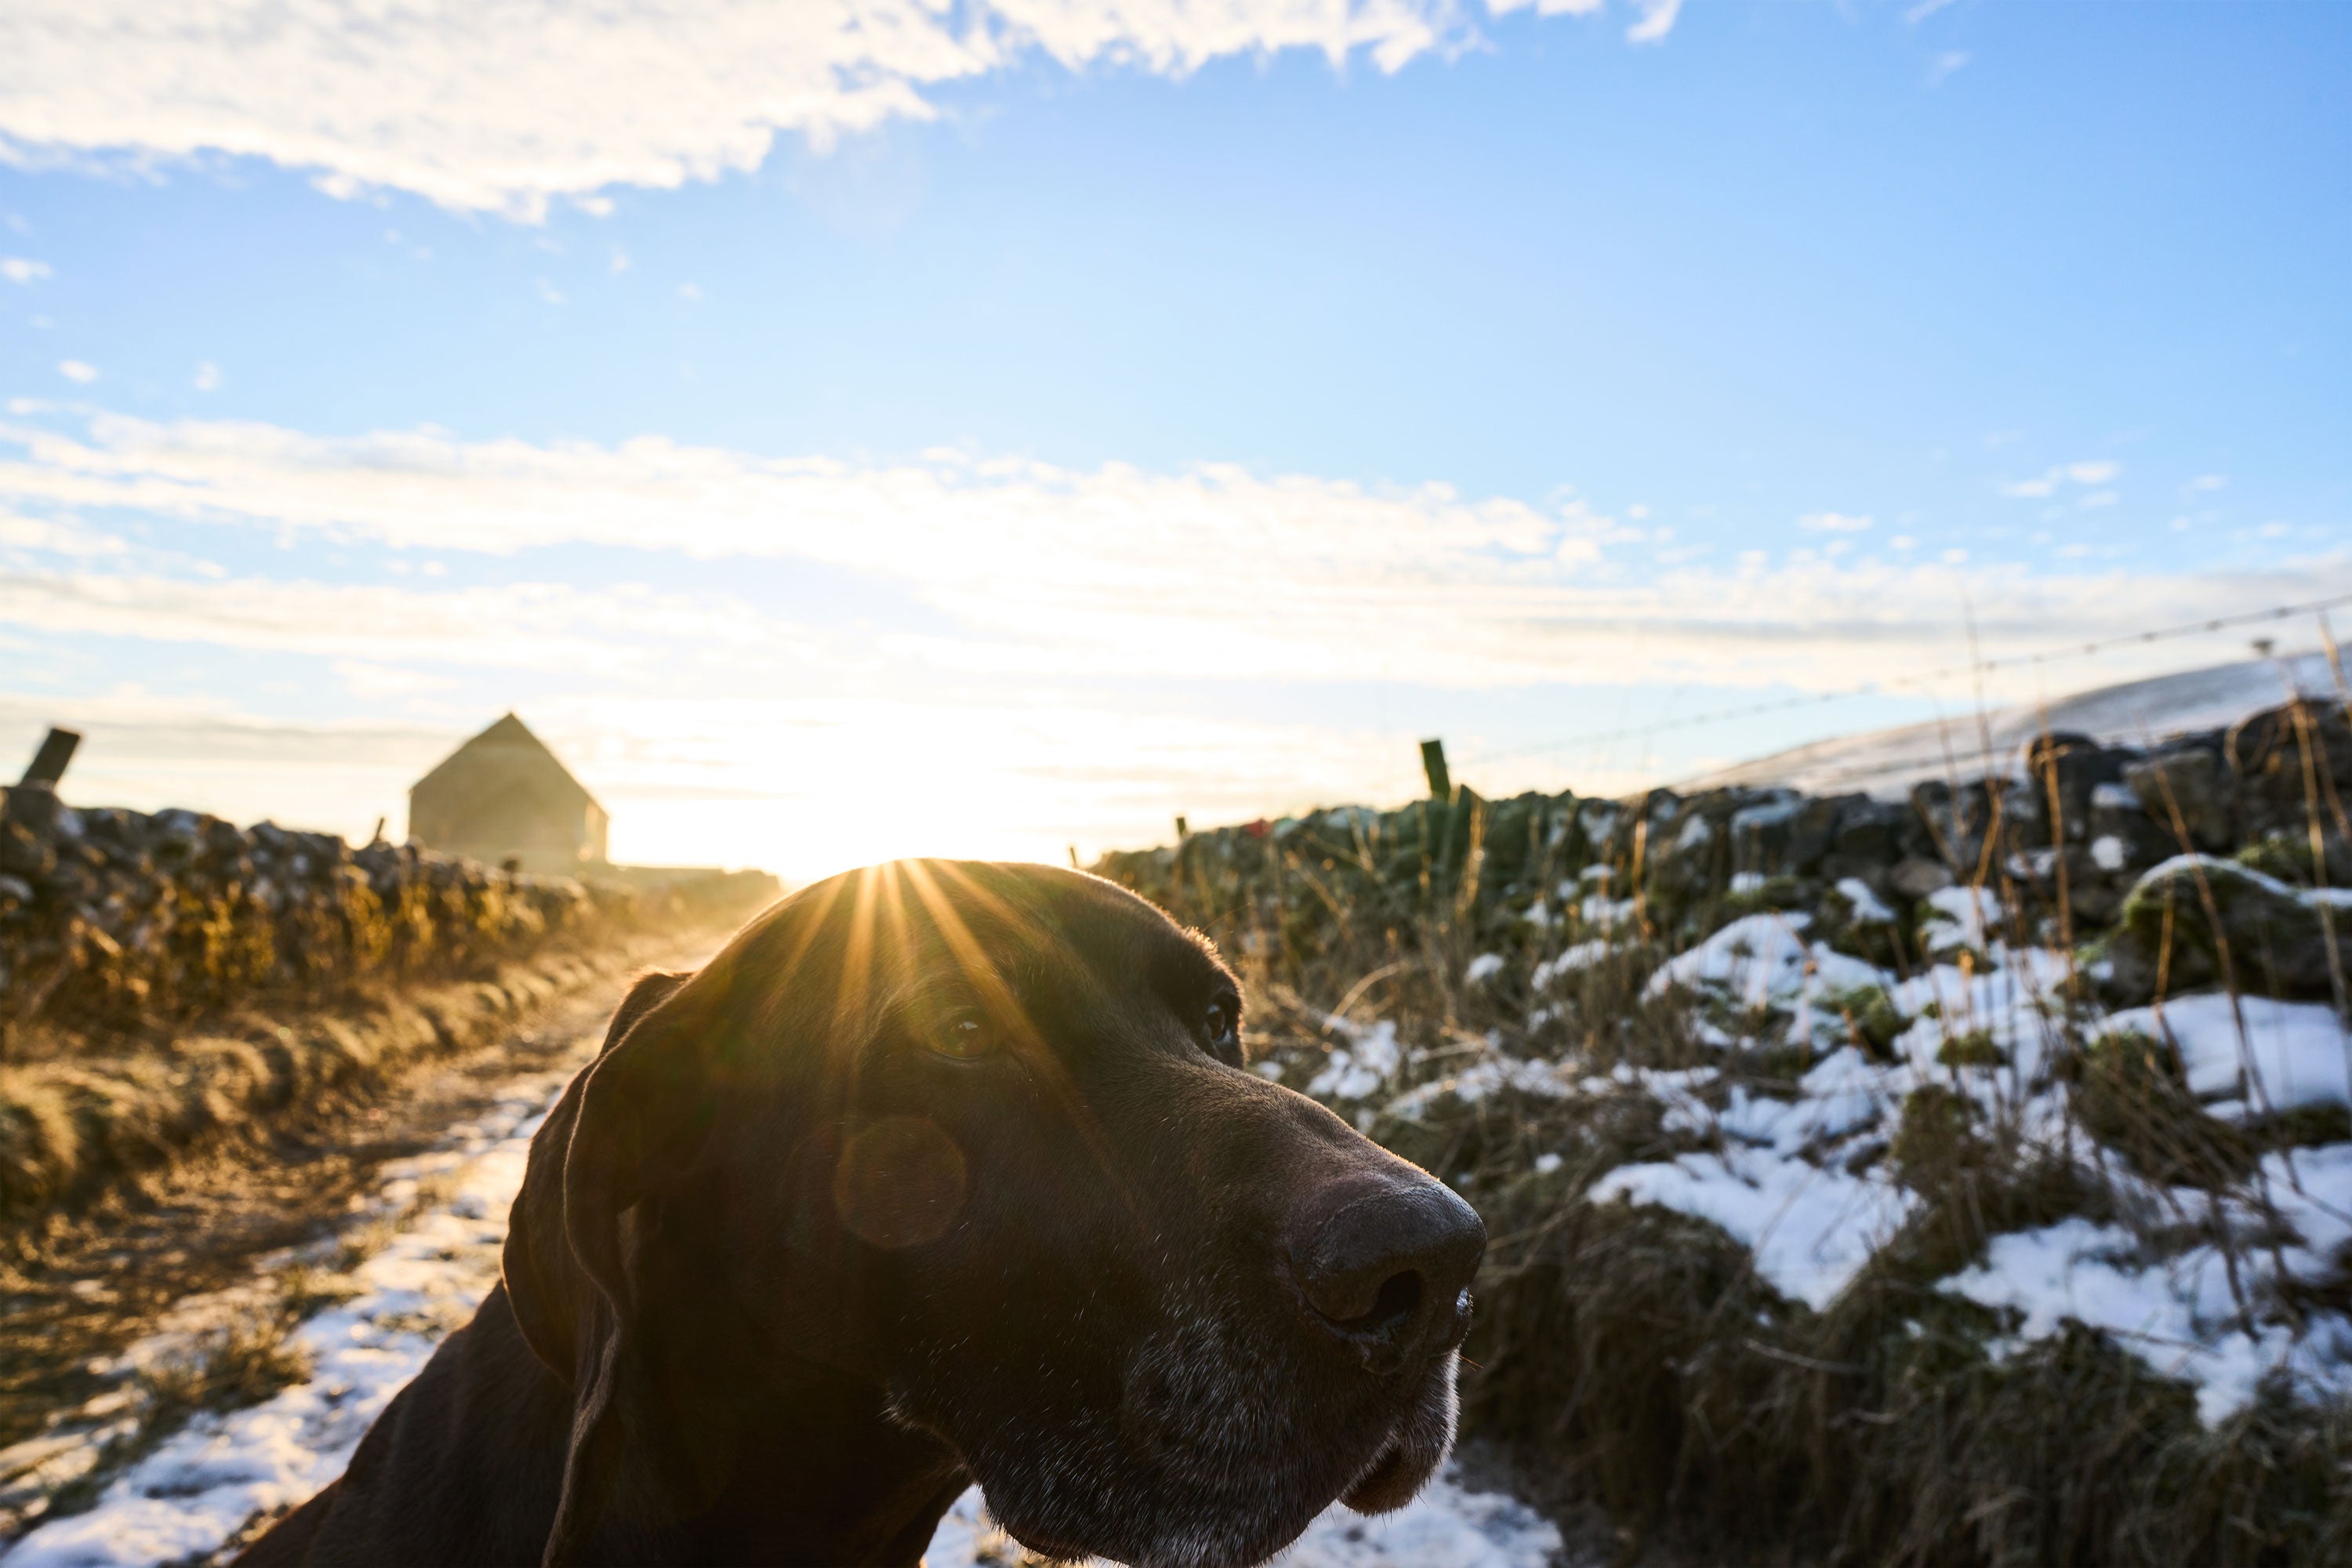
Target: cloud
75, 370
1655, 21
2205, 482
1832, 522
2089, 471
207, 377
530, 625
373, 680
1945, 64
1011, 568
477, 106
56, 536
22, 270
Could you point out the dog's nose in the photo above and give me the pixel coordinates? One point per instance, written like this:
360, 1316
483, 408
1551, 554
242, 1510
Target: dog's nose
1390, 1272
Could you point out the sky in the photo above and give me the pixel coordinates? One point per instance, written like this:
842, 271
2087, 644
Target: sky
862, 428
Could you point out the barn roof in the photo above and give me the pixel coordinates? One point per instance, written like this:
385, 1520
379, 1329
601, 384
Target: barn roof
505, 745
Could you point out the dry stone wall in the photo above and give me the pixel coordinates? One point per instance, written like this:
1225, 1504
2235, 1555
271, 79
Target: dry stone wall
2115, 851
114, 921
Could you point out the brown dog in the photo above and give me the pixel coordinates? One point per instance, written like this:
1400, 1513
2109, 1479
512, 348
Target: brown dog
941, 1171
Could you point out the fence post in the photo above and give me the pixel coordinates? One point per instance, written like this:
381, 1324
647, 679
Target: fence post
1432, 763
49, 765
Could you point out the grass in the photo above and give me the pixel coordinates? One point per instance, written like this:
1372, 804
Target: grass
73, 1126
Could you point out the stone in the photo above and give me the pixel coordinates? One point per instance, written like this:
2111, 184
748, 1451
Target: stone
1813, 829
2077, 766
23, 853
2188, 778
1915, 877
2274, 934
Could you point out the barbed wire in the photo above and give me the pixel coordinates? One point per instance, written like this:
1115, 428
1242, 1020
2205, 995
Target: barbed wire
1816, 698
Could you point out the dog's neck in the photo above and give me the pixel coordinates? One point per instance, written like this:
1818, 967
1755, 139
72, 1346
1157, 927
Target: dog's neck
762, 1456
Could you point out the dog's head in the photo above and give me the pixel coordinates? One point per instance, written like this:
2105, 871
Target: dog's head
982, 1137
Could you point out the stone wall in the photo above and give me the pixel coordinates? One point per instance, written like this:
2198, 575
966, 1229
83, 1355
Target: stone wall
2075, 840
113, 919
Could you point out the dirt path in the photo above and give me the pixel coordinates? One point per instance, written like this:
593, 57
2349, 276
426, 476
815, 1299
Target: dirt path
184, 1248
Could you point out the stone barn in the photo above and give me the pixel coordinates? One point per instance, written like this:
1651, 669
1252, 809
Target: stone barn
503, 797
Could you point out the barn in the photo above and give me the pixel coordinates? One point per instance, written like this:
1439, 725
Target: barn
504, 797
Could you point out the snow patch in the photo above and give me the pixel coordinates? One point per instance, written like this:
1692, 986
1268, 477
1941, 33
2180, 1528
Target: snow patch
2299, 1052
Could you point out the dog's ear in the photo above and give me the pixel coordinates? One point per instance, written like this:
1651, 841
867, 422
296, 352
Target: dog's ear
544, 1285
627, 1121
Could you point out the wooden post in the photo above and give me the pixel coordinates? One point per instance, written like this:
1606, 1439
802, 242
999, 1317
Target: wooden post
1182, 832
1074, 857
49, 765
1432, 763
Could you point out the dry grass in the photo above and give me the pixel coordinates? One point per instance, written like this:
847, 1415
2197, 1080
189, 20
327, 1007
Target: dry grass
70, 1127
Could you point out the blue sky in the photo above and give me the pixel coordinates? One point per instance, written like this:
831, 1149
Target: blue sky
859, 430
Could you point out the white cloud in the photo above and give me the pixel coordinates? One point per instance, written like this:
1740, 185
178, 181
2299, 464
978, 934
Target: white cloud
75, 370
23, 269
56, 536
207, 377
2090, 471
2208, 482
368, 681
1655, 21
477, 106
1832, 522
1945, 64
1025, 569
531, 626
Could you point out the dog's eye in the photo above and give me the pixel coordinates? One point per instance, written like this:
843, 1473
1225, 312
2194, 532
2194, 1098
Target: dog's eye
964, 1038
1223, 1023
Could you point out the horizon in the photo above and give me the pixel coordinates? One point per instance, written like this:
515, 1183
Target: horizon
1004, 430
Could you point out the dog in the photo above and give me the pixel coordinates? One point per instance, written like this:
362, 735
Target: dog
939, 1172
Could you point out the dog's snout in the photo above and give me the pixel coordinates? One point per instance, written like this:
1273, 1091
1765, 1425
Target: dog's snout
1387, 1272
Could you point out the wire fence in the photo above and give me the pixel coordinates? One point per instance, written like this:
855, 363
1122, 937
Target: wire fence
1975, 669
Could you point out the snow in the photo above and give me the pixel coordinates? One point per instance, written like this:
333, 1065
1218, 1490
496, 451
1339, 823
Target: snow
1962, 917
1370, 1059
1760, 961
1811, 1229
1578, 956
1482, 1078
1605, 913
1868, 908
2299, 1051
2177, 1316
1483, 968
1887, 763
1746, 882
2113, 797
1779, 1181
2108, 852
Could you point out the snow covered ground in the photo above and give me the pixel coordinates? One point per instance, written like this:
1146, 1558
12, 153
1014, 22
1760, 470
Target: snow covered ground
198, 1487
1801, 1175
1889, 761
